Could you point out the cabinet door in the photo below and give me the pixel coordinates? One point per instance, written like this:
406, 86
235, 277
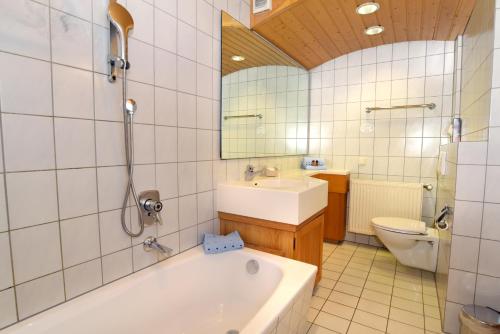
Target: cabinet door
309, 243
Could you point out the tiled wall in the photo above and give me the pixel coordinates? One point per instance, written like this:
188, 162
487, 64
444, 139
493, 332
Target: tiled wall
61, 172
474, 275
397, 145
281, 95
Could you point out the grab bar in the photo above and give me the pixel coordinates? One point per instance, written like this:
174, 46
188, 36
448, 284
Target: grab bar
259, 116
431, 106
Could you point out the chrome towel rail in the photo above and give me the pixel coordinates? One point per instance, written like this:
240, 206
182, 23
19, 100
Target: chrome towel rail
431, 106
259, 116
428, 186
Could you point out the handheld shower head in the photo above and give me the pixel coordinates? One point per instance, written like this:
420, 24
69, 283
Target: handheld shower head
122, 21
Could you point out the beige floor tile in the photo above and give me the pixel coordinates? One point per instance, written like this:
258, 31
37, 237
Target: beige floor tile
317, 302
332, 322
359, 266
396, 327
339, 310
429, 290
343, 298
333, 267
409, 270
376, 297
407, 317
432, 311
430, 300
373, 307
356, 328
432, 324
407, 305
380, 279
330, 274
408, 285
361, 259
311, 314
407, 294
315, 329
339, 261
387, 289
327, 283
382, 271
370, 320
353, 280
321, 292
408, 277
348, 288
356, 273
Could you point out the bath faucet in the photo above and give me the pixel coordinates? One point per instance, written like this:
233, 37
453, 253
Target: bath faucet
250, 172
151, 244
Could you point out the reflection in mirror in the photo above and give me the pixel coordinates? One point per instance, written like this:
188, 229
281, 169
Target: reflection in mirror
265, 97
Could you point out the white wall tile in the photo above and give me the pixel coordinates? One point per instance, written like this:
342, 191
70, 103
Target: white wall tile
467, 218
186, 144
170, 217
110, 143
71, 40
488, 261
188, 238
464, 253
167, 180
472, 153
166, 144
492, 193
167, 25
6, 279
470, 182
40, 294
36, 190
116, 265
25, 85
80, 8
80, 240
165, 69
491, 225
144, 96
461, 286
143, 20
165, 107
186, 35
186, 104
488, 291
8, 307
75, 146
22, 37
187, 11
32, 149
28, 259
82, 278
187, 178
77, 192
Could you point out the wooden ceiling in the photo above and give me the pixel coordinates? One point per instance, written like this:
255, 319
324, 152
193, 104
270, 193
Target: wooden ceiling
315, 31
238, 40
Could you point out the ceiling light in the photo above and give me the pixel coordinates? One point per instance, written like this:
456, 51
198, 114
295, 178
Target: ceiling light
238, 58
374, 30
367, 8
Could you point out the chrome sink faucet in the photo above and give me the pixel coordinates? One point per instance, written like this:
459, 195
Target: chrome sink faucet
251, 173
151, 244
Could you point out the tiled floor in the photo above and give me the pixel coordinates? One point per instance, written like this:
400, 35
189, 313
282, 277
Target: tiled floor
364, 290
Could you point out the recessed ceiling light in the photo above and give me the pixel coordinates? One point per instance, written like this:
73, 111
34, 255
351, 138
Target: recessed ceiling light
367, 8
374, 30
238, 58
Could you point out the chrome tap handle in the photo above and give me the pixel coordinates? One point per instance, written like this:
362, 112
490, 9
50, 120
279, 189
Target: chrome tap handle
151, 244
157, 218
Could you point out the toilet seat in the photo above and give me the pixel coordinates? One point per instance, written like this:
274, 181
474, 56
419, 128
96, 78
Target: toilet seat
400, 225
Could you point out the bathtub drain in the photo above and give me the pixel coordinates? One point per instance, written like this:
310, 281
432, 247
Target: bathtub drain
232, 331
252, 267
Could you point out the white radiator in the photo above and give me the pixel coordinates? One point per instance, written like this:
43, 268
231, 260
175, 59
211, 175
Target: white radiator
370, 199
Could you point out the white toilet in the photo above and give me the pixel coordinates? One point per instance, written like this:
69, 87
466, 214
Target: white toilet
410, 241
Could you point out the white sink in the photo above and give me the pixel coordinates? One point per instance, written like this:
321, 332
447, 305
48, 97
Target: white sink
284, 200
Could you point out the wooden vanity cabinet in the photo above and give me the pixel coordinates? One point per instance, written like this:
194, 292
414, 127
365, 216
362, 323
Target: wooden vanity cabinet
335, 212
302, 242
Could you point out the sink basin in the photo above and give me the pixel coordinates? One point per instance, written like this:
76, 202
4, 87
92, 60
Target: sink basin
284, 200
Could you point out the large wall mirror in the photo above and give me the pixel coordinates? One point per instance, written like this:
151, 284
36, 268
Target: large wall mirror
265, 97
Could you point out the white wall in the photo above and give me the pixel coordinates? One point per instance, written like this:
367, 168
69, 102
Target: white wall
398, 145
62, 167
474, 274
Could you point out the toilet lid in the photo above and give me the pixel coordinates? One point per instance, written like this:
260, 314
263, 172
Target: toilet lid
402, 225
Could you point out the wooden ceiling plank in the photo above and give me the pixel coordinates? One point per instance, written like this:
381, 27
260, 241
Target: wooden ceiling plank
384, 17
337, 15
446, 18
414, 19
355, 21
328, 24
398, 15
302, 35
461, 18
430, 17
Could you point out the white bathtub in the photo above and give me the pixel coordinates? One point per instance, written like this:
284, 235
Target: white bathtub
191, 293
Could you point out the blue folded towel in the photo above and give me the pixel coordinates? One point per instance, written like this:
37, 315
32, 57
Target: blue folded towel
213, 244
